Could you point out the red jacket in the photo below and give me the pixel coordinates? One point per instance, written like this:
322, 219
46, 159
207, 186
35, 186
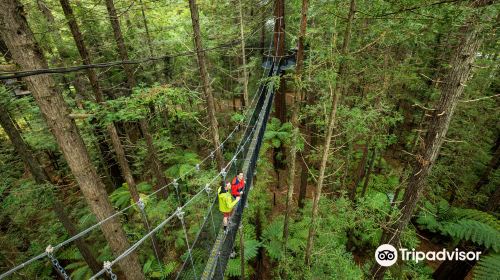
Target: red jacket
237, 186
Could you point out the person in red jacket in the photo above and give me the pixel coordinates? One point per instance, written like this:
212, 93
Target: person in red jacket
237, 185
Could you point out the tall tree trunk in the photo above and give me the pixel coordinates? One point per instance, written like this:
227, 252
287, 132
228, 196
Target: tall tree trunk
120, 43
301, 37
494, 202
304, 176
42, 178
262, 43
340, 89
94, 83
122, 161
360, 173
451, 88
494, 163
26, 53
279, 51
243, 57
207, 88
456, 269
292, 157
156, 165
369, 172
145, 22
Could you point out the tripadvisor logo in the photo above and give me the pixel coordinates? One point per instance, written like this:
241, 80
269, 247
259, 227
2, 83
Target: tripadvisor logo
387, 255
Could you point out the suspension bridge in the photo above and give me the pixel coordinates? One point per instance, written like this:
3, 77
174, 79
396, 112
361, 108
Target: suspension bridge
208, 253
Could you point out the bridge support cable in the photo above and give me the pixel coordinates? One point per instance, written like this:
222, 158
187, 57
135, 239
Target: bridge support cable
142, 209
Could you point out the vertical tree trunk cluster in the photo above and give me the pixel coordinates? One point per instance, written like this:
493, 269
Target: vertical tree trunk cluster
207, 88
279, 52
96, 88
340, 89
41, 177
243, 57
451, 89
292, 157
120, 43
26, 53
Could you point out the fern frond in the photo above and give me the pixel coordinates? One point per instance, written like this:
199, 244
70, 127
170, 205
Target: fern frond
475, 231
488, 268
476, 215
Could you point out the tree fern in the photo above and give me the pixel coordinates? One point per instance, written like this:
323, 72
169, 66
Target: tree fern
475, 231
476, 215
273, 236
251, 249
461, 224
233, 268
488, 268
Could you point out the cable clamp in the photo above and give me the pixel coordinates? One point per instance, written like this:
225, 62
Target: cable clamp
49, 250
208, 189
176, 185
179, 213
107, 267
223, 173
197, 167
141, 204
50, 253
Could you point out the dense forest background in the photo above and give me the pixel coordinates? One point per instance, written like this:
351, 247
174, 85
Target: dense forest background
386, 130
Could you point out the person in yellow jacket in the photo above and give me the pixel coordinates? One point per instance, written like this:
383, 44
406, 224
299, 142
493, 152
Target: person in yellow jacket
226, 202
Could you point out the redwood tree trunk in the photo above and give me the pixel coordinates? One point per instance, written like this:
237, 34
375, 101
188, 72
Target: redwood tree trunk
304, 176
27, 54
369, 172
360, 173
292, 157
492, 165
156, 165
96, 88
494, 202
243, 58
207, 89
122, 161
451, 88
120, 43
279, 50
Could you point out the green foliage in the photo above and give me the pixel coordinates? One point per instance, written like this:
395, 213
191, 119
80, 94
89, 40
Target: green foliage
273, 239
181, 163
154, 270
233, 268
277, 133
389, 70
487, 267
461, 224
121, 197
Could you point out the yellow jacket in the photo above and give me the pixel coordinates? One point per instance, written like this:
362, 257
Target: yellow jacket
226, 202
